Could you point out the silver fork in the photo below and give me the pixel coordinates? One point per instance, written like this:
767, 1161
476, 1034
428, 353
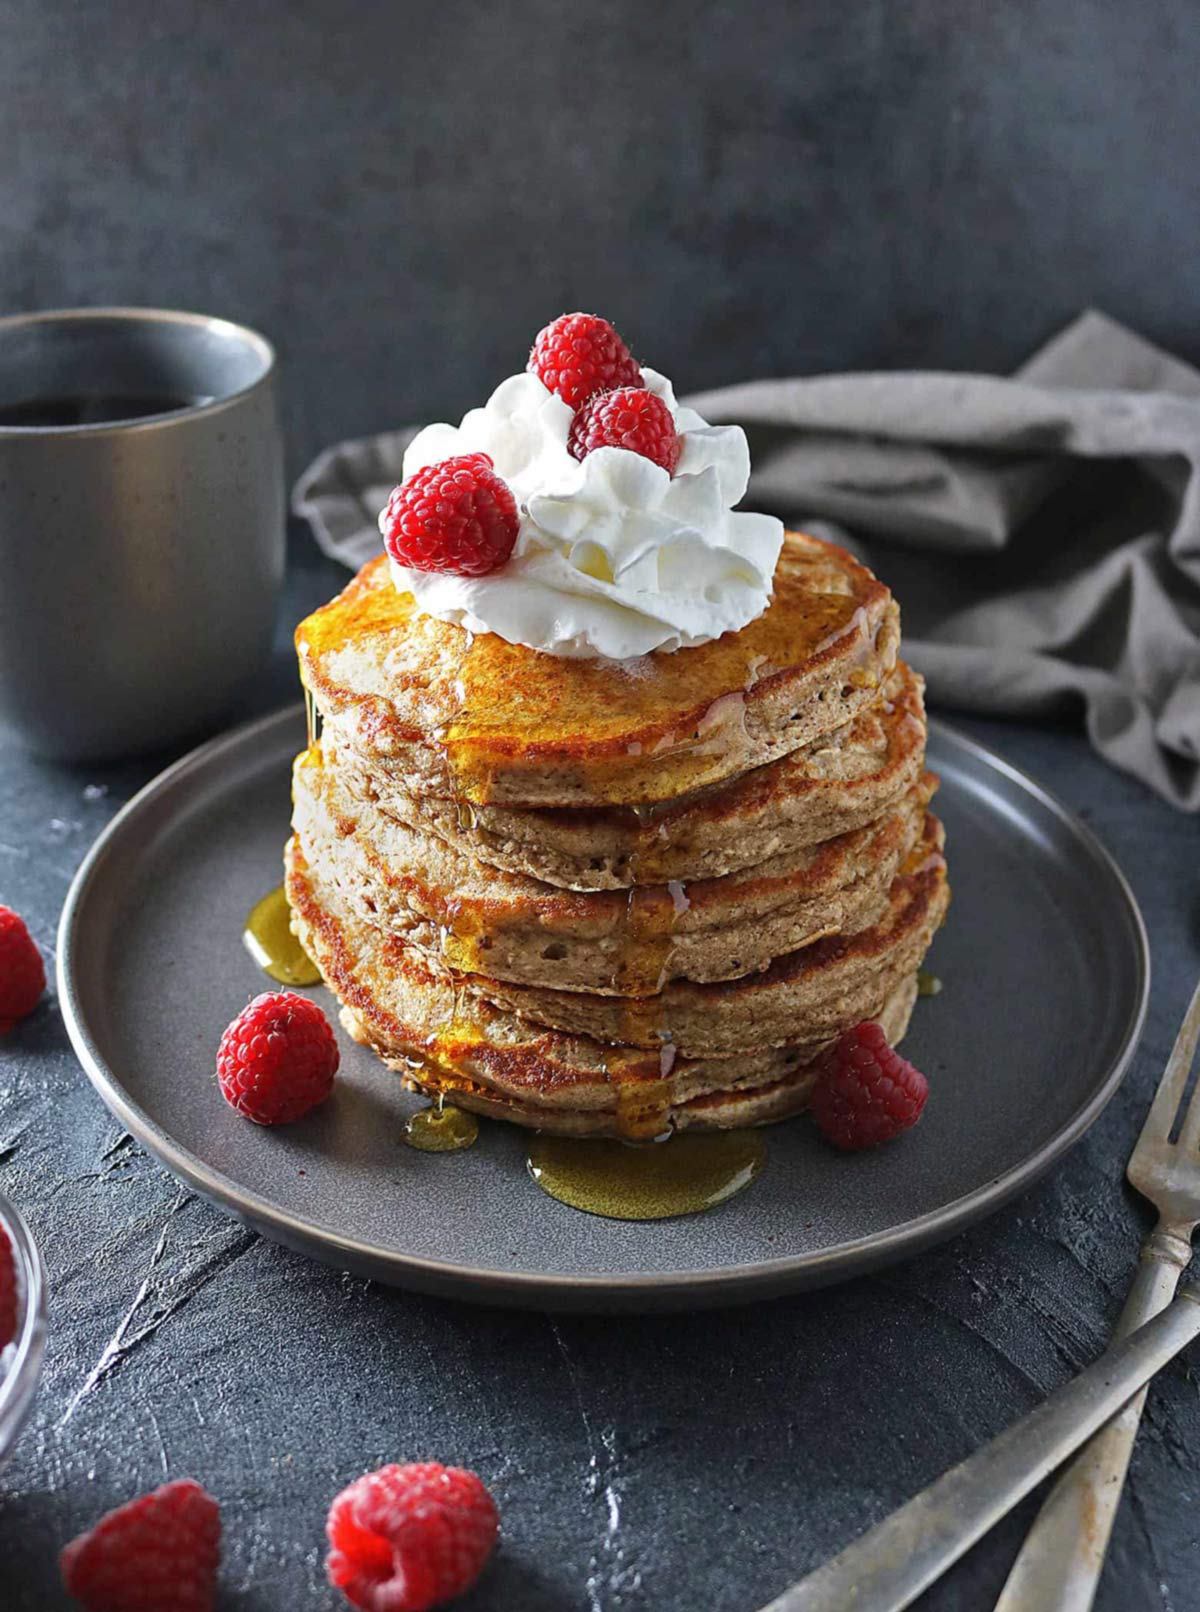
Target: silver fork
1061, 1561
891, 1564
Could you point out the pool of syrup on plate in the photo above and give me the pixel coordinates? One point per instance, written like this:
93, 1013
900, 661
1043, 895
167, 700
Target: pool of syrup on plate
648, 1173
269, 940
440, 1128
654, 1181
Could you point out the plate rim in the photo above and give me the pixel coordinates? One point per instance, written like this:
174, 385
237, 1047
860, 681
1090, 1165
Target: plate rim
635, 1290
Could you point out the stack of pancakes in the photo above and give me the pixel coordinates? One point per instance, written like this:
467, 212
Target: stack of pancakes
617, 897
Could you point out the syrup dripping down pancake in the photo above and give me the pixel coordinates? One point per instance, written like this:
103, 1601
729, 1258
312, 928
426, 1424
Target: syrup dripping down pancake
440, 1039
838, 783
805, 995
477, 919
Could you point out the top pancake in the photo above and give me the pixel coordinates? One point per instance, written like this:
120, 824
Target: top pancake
484, 721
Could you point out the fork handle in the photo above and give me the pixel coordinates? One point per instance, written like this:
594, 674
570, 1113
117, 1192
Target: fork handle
888, 1567
1062, 1558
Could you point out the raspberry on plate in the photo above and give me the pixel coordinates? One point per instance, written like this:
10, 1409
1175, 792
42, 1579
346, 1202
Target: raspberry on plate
22, 973
457, 516
159, 1551
581, 354
277, 1059
8, 1290
632, 418
865, 1092
406, 1538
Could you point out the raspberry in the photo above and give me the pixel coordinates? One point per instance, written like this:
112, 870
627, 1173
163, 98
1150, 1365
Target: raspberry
865, 1092
277, 1059
22, 974
156, 1552
409, 1537
632, 418
457, 516
579, 355
8, 1290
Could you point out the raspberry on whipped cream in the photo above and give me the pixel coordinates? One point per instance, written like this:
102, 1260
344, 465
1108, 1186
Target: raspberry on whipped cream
614, 556
578, 355
627, 417
455, 516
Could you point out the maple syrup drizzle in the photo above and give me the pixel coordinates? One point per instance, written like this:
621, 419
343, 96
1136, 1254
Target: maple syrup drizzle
461, 941
651, 843
514, 708
643, 1103
639, 951
441, 1128
269, 940
645, 946
682, 1176
312, 717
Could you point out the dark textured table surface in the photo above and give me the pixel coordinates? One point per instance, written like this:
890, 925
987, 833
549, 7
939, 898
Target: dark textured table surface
672, 1462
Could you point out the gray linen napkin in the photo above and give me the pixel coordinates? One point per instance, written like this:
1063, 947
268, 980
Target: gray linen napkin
1042, 533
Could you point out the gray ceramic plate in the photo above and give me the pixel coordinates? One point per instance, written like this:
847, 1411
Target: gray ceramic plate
1043, 934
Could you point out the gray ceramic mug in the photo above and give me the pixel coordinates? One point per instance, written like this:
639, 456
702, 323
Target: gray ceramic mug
141, 525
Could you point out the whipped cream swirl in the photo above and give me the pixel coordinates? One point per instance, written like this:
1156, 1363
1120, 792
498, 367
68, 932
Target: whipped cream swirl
614, 557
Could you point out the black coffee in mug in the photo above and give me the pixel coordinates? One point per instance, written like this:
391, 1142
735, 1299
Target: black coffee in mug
141, 526
93, 408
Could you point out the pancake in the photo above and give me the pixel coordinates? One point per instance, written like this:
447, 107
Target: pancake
838, 783
492, 723
615, 898
804, 995
807, 996
478, 919
771, 1087
440, 1039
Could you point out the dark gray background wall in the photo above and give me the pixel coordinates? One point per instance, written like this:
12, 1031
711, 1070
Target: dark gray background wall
401, 194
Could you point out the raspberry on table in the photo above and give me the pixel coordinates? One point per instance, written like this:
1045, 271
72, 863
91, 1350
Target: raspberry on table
406, 1538
865, 1092
580, 354
457, 516
8, 1290
158, 1552
632, 418
22, 972
277, 1059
